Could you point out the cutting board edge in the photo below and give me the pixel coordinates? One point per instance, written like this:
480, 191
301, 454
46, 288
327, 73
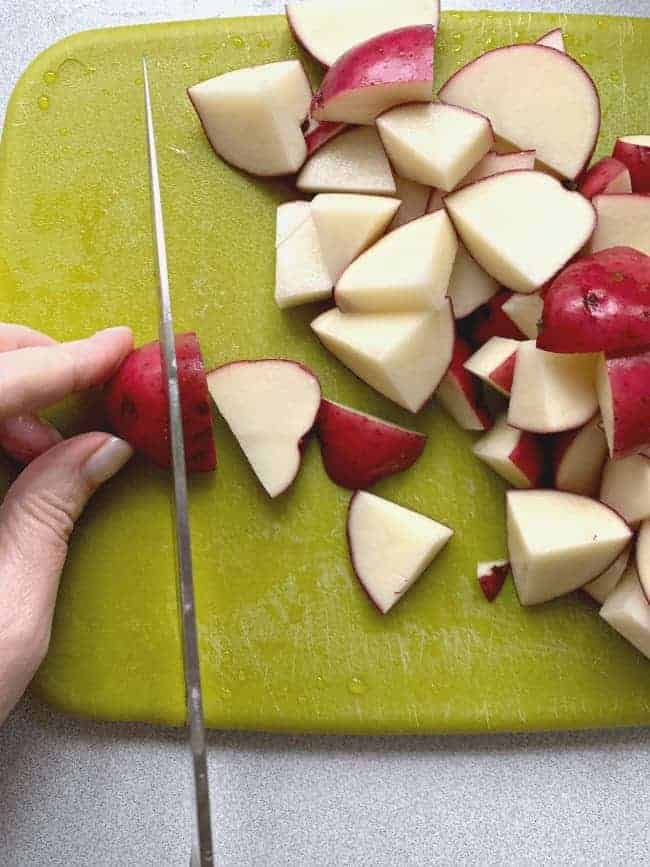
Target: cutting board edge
41, 63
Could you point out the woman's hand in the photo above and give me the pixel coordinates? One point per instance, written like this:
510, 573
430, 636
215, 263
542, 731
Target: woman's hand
39, 511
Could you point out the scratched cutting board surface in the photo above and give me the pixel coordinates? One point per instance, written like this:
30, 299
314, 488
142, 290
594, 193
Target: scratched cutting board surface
288, 639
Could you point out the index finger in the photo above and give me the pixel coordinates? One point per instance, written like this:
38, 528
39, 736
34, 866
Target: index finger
20, 336
36, 377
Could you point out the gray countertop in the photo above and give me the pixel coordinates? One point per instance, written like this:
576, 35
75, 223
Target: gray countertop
78, 793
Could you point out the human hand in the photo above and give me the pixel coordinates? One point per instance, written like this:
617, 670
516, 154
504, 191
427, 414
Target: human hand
39, 511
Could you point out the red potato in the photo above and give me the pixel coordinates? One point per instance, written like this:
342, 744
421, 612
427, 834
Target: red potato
494, 363
270, 406
495, 163
578, 457
625, 487
137, 407
414, 198
634, 151
600, 588
536, 97
552, 391
622, 220
434, 144
353, 161
559, 542
492, 164
643, 558
490, 321
460, 393
599, 303
606, 176
522, 227
623, 386
517, 456
359, 449
390, 546
384, 71
319, 134
253, 117
491, 577
525, 311
470, 287
552, 39
329, 28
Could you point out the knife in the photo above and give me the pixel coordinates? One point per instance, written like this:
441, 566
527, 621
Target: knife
202, 855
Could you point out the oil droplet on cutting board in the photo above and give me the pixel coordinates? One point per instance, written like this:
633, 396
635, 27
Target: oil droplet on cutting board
49, 77
43, 102
236, 41
356, 686
263, 42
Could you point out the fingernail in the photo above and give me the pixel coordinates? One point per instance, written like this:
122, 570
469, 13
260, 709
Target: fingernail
107, 460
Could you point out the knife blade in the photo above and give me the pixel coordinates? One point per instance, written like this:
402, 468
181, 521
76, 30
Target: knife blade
203, 855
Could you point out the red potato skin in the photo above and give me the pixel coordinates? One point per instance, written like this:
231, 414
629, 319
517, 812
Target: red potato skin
491, 583
469, 385
598, 178
320, 133
505, 373
629, 381
637, 159
529, 457
599, 303
358, 450
352, 558
402, 55
490, 321
137, 407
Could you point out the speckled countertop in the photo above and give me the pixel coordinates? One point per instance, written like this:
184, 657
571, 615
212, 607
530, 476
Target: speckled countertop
76, 793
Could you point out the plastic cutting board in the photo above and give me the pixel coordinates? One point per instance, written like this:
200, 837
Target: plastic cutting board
288, 639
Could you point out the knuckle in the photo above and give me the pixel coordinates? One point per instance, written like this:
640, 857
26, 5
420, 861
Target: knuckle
46, 512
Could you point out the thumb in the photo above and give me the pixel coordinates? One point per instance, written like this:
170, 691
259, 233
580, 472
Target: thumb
36, 519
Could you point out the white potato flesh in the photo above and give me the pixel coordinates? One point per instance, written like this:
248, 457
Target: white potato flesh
469, 285
625, 487
627, 611
623, 221
522, 227
269, 405
433, 143
401, 355
301, 273
252, 117
390, 546
407, 270
347, 224
328, 28
352, 162
537, 98
552, 391
559, 542
600, 588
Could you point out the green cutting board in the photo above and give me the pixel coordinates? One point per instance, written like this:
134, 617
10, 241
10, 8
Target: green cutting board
288, 639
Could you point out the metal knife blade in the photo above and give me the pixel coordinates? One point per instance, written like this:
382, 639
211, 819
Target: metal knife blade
192, 671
